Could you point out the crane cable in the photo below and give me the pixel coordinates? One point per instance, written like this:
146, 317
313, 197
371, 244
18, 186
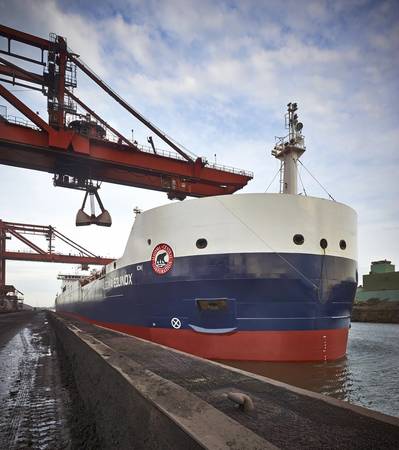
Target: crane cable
278, 171
317, 181
300, 179
79, 61
308, 280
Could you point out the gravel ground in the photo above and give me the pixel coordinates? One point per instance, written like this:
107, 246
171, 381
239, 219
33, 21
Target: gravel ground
39, 404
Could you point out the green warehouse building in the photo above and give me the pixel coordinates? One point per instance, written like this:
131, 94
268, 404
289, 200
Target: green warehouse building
381, 283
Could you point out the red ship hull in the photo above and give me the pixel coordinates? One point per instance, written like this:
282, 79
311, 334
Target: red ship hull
309, 345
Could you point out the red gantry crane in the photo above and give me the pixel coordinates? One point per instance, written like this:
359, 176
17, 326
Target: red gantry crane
82, 150
79, 255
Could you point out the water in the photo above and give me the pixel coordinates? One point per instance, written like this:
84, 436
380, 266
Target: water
368, 376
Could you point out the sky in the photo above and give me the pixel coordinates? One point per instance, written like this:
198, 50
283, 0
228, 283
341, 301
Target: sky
217, 76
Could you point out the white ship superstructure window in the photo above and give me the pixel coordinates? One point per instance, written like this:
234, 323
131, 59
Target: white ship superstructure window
201, 243
149, 241
298, 239
323, 243
342, 244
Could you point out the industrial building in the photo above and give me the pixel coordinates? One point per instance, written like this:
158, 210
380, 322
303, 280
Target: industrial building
382, 283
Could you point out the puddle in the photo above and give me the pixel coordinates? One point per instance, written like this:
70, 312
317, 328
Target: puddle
35, 405
17, 351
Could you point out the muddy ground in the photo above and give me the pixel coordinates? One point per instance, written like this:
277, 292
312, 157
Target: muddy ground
39, 404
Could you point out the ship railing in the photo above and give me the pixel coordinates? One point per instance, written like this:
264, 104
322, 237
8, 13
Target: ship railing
33, 252
144, 148
230, 169
174, 155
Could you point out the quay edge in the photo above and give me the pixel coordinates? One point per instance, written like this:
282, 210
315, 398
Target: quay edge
151, 396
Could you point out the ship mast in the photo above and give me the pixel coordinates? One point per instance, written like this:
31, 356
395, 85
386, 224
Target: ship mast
288, 150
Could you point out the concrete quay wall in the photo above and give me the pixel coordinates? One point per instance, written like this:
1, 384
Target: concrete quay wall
134, 408
146, 396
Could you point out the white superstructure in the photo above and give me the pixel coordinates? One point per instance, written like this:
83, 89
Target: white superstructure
244, 223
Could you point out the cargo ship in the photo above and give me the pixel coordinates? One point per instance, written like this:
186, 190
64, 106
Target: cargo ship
253, 276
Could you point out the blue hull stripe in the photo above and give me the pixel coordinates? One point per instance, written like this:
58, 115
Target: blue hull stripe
261, 290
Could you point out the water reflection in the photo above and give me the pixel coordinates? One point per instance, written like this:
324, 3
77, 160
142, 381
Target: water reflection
329, 378
368, 376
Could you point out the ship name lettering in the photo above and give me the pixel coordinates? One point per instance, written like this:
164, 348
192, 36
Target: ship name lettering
119, 281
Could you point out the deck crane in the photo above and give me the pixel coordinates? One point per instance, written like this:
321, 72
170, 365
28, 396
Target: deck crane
83, 150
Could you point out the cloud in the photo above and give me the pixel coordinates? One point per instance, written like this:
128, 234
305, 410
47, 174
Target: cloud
216, 76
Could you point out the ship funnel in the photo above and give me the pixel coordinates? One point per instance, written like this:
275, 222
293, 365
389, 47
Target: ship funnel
83, 219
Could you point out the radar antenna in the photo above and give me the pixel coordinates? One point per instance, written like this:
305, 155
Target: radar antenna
288, 150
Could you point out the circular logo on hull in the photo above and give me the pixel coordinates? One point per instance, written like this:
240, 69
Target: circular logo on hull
162, 259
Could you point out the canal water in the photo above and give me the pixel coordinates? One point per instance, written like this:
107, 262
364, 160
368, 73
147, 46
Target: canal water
368, 376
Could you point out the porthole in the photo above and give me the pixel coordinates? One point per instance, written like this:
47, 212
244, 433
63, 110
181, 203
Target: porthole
298, 239
201, 243
342, 244
323, 243
149, 241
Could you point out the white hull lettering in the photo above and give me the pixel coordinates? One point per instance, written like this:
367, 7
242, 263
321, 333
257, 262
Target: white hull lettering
119, 281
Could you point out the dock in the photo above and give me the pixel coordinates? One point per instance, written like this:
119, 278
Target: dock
190, 393
132, 393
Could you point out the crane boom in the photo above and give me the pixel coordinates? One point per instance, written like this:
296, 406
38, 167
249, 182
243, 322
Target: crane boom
86, 146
